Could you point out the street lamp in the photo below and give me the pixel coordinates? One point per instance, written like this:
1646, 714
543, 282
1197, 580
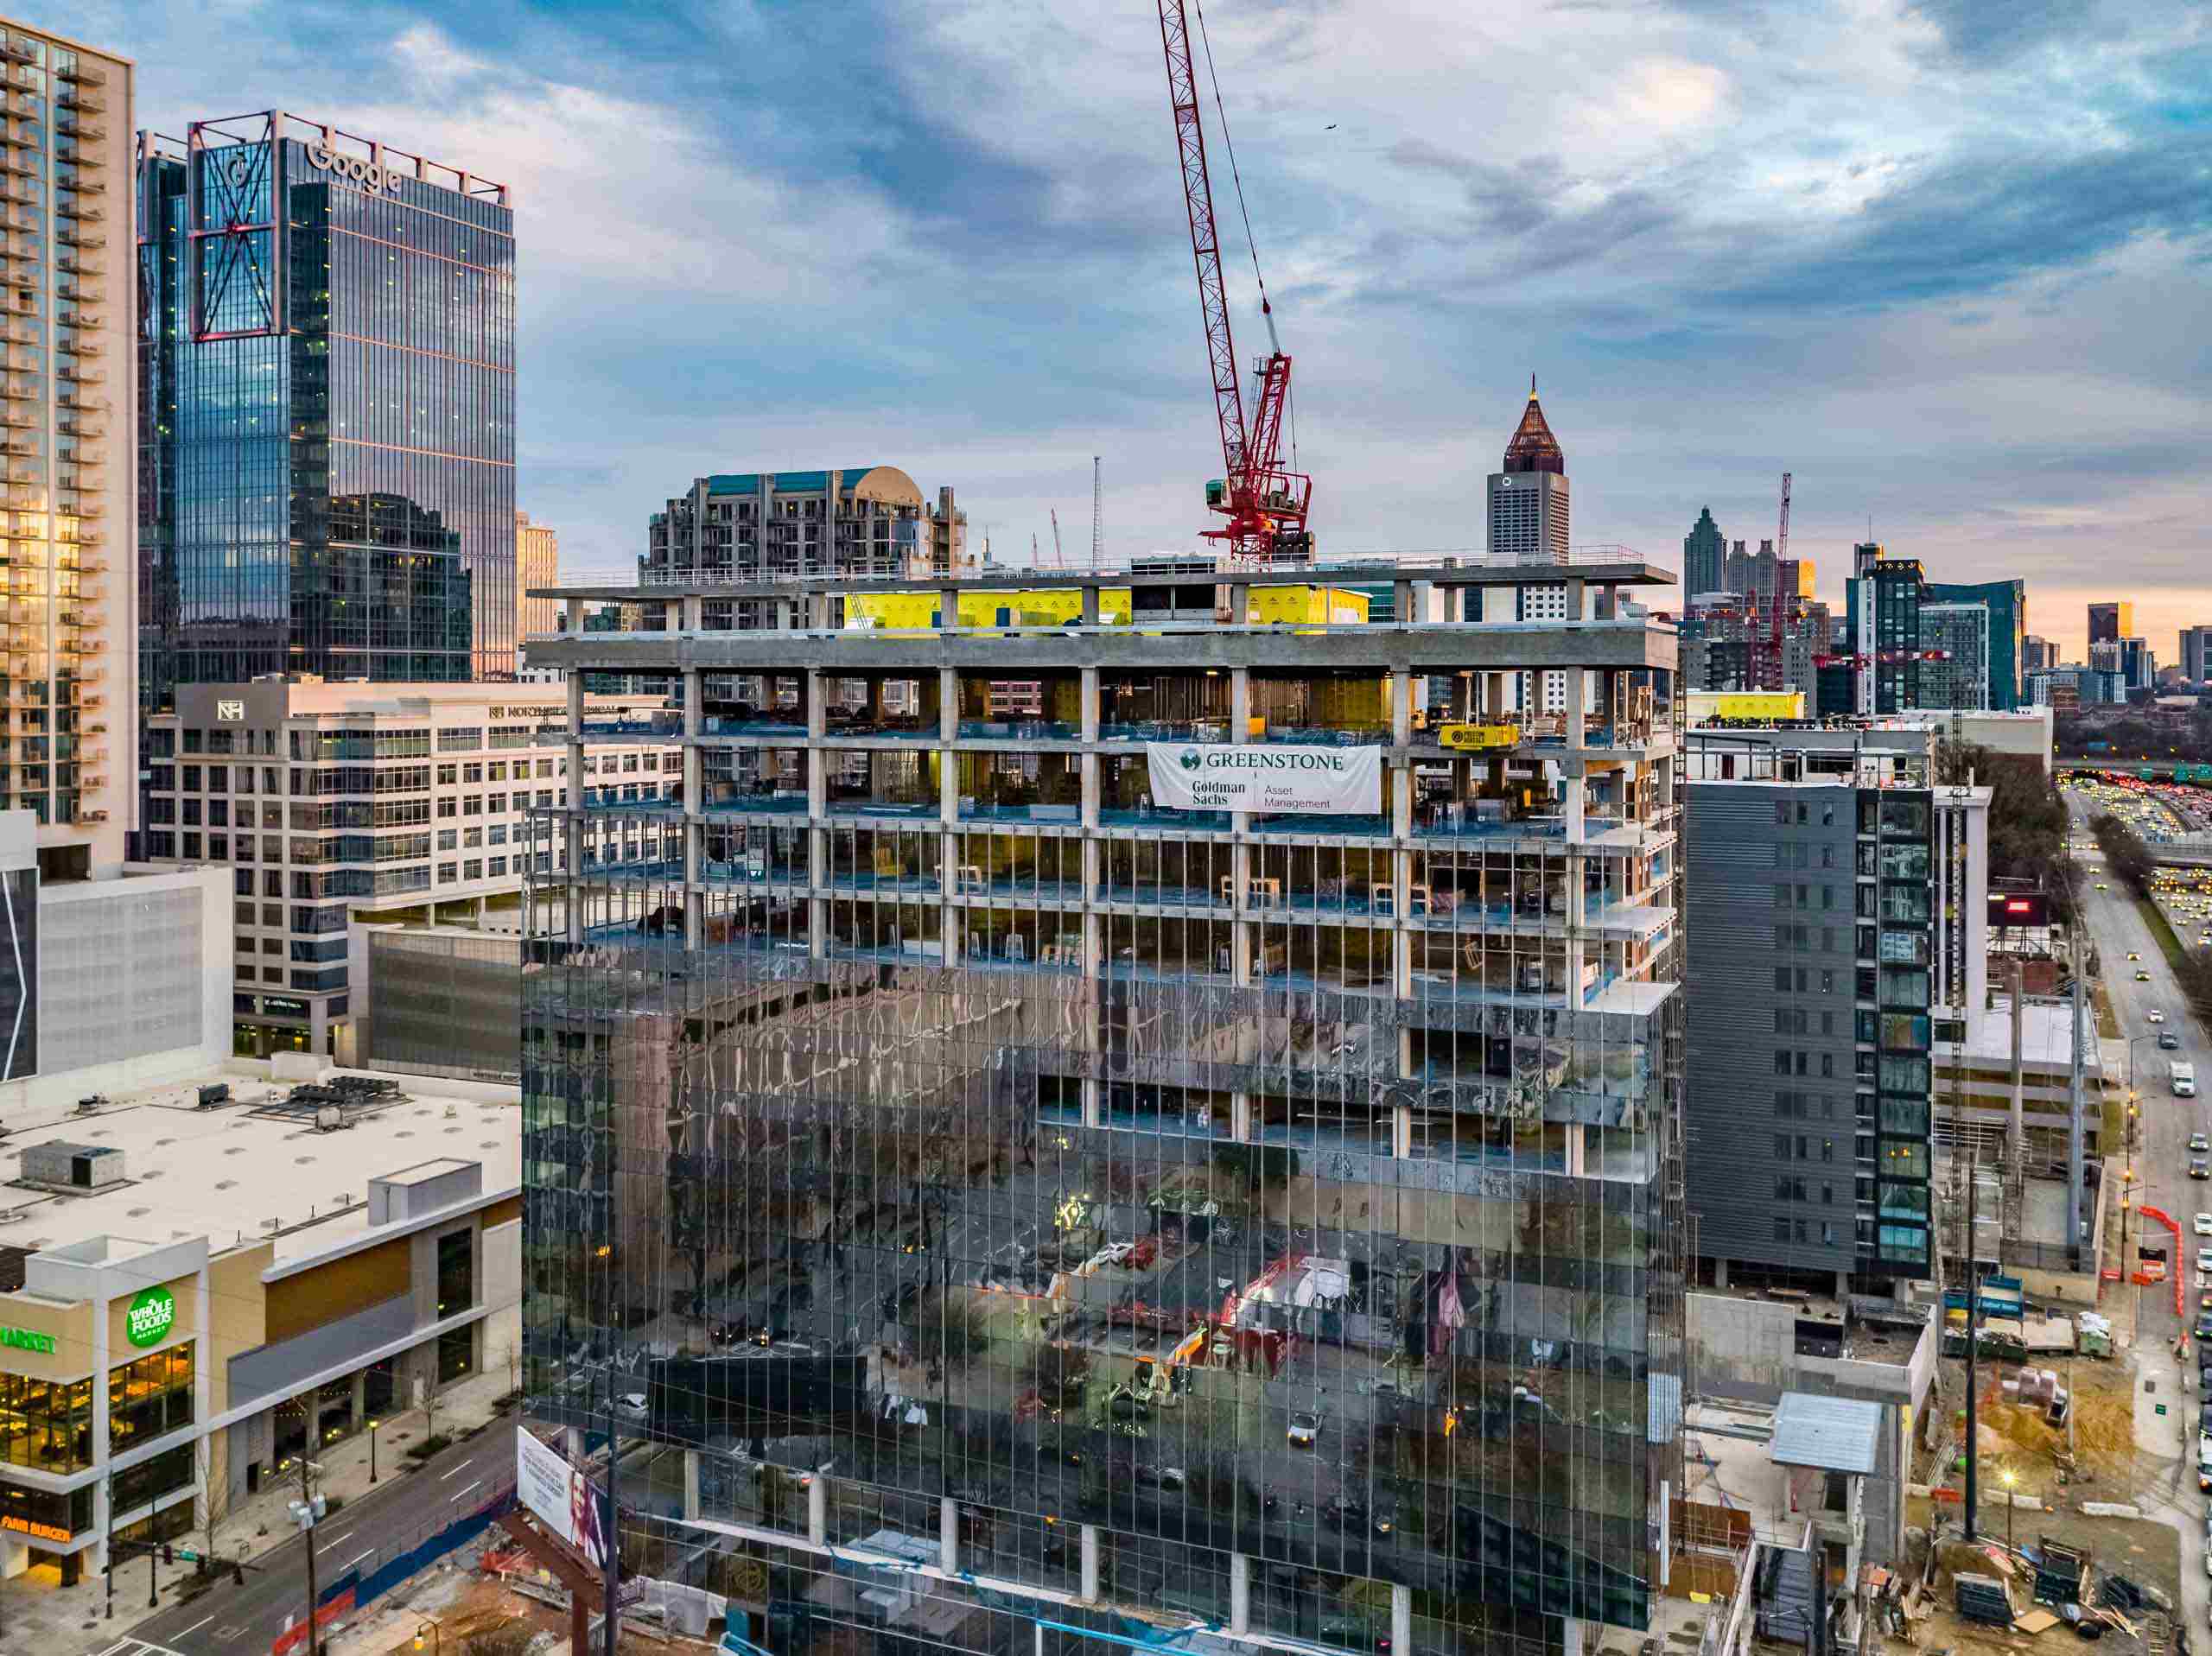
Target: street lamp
372, 1451
437, 1638
2010, 1479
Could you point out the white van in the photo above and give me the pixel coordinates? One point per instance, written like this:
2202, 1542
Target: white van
2183, 1078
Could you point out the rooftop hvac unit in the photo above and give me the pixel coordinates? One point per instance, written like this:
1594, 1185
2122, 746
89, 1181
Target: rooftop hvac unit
84, 1167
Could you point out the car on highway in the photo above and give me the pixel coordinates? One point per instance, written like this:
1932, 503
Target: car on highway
2142, 976
1304, 1428
2102, 886
2202, 1224
2132, 955
2168, 1041
2198, 1170
2199, 1144
2155, 1016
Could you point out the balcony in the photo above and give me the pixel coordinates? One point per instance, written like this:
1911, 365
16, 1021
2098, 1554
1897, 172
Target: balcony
81, 345
82, 375
82, 74
69, 235
83, 509
85, 289
70, 399
90, 212
85, 102
93, 427
85, 131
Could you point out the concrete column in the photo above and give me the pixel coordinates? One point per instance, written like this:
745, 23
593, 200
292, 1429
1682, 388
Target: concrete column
574, 610
1087, 700
1240, 704
1402, 1617
1088, 768
1240, 1593
1401, 1132
1401, 603
1239, 1116
1578, 602
817, 1509
948, 703
1089, 1591
1570, 1632
690, 613
811, 693
1398, 686
691, 1483
1239, 604
1090, 607
948, 604
948, 1535
947, 788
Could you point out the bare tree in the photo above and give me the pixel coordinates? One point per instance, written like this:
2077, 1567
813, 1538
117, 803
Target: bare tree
214, 1505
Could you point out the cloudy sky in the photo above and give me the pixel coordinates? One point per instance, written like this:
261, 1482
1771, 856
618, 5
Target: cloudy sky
1945, 260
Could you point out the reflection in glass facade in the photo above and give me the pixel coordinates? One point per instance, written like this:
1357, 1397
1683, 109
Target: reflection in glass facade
933, 1148
328, 444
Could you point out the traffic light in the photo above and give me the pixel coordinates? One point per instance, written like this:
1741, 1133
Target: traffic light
167, 1557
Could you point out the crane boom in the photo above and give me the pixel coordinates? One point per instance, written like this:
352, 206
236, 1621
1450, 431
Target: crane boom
1265, 504
1205, 241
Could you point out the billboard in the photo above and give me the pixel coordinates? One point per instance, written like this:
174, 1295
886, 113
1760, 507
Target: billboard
2019, 909
1264, 777
561, 1497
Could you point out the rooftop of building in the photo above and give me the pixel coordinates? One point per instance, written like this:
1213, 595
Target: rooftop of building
259, 126
871, 480
106, 54
316, 698
2045, 1042
255, 1168
1446, 570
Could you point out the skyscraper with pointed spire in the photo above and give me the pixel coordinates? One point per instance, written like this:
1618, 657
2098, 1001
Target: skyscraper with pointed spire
1704, 558
1528, 494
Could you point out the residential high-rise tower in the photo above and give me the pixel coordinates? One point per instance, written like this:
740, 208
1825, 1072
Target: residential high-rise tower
329, 426
69, 475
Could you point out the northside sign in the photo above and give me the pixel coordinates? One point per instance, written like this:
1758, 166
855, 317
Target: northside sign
1263, 777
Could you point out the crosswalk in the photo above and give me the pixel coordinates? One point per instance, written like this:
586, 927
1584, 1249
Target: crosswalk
137, 1648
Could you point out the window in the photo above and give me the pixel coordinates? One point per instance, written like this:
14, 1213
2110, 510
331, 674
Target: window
47, 1423
472, 869
149, 1397
456, 1273
473, 805
498, 867
149, 1480
445, 872
446, 838
448, 774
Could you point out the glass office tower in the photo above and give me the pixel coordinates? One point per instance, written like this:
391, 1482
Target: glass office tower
951, 1140
326, 336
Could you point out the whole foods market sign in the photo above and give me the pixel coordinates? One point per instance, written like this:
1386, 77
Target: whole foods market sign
150, 1317
26, 1339
1220, 776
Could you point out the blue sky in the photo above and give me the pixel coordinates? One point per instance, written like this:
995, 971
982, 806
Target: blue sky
1946, 260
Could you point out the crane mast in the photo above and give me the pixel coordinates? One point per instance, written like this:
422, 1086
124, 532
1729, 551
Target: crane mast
1265, 505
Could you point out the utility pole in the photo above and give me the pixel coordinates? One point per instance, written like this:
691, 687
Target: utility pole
1974, 1343
2074, 1109
307, 1511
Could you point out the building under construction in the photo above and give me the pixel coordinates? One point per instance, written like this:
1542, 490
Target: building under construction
1208, 1150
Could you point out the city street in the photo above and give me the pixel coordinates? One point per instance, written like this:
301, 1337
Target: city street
395, 1515
2162, 1181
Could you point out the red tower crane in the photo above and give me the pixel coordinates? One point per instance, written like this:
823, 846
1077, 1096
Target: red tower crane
1263, 504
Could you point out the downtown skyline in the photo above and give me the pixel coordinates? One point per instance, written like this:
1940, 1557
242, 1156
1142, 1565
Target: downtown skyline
1899, 254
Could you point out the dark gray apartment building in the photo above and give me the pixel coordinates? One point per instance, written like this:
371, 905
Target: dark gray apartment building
1833, 917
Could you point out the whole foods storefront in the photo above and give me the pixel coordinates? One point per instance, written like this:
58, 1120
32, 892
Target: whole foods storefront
100, 1390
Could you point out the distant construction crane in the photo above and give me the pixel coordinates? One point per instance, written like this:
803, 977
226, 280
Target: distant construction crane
1264, 504
1059, 558
1768, 674
1097, 515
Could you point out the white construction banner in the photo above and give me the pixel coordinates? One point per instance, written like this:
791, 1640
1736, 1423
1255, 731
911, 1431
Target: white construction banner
1266, 776
561, 1497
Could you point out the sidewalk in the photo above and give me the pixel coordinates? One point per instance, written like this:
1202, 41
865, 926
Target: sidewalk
68, 1621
